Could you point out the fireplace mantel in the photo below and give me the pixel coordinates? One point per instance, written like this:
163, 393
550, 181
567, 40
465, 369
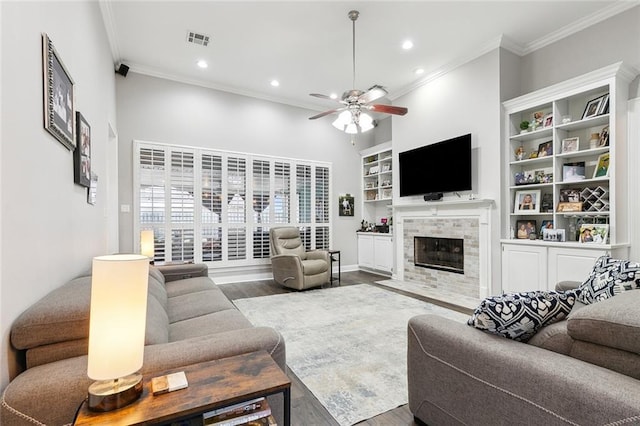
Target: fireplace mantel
444, 205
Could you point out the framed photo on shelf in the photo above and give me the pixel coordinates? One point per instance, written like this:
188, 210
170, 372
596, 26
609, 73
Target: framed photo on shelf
593, 107
59, 96
602, 167
570, 195
569, 207
546, 224
604, 137
553, 235
594, 233
570, 144
604, 105
545, 149
546, 205
548, 120
527, 201
525, 229
572, 172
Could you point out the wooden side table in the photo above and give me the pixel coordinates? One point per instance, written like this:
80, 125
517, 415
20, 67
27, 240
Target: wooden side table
334, 255
212, 384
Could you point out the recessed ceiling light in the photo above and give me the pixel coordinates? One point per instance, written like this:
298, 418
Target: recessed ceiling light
418, 71
407, 44
202, 63
333, 96
275, 83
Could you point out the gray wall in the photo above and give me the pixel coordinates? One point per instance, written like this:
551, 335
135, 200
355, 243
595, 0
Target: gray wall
616, 39
159, 110
49, 232
465, 100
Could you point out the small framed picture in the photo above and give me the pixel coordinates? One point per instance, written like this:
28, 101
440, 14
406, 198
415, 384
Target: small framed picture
346, 205
572, 172
602, 167
525, 229
569, 207
59, 96
592, 108
604, 137
546, 224
553, 235
82, 153
570, 144
545, 149
594, 233
548, 120
92, 191
570, 195
604, 105
527, 201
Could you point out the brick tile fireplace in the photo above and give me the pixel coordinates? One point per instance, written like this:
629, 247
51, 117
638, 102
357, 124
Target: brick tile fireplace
459, 236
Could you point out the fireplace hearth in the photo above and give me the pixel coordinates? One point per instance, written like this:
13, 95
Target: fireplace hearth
445, 254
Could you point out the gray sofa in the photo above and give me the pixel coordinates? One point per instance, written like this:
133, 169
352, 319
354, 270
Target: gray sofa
189, 320
583, 370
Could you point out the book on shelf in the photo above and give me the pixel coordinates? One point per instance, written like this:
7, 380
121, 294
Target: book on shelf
238, 414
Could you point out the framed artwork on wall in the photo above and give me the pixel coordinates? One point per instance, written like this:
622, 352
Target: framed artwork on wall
92, 191
59, 96
346, 205
82, 154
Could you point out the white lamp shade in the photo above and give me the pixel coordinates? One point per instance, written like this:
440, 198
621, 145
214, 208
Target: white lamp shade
366, 122
343, 120
147, 247
118, 315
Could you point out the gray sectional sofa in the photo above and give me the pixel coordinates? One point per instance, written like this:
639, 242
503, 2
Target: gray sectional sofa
584, 370
189, 320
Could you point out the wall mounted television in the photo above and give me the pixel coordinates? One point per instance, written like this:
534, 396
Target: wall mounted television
433, 169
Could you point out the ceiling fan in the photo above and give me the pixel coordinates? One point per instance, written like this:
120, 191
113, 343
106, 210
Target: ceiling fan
353, 117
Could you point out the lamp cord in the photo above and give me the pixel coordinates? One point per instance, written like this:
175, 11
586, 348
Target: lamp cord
75, 417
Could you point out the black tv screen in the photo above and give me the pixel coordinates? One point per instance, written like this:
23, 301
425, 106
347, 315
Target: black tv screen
440, 167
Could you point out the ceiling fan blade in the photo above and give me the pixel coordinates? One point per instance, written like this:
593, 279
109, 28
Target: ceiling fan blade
322, 114
388, 109
318, 95
374, 92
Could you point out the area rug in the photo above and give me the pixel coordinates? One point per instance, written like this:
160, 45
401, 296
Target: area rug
348, 345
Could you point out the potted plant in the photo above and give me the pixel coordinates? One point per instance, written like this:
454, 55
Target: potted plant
524, 126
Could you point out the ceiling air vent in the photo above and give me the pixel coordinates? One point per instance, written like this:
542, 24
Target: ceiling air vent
195, 38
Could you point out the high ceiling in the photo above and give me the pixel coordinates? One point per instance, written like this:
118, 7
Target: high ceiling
307, 45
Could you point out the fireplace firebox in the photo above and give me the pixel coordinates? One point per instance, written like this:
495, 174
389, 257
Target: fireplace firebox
445, 254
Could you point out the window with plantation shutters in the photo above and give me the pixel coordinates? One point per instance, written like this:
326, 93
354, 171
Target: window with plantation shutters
217, 206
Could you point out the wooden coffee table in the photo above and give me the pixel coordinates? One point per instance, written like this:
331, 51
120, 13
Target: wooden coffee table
212, 384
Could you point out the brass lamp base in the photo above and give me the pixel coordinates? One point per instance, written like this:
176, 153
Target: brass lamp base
108, 395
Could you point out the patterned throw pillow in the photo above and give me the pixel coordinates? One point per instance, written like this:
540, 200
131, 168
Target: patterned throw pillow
608, 278
519, 316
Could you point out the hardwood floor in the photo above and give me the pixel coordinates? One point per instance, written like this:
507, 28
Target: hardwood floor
306, 410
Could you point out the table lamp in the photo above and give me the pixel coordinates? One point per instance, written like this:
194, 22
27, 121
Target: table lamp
147, 244
117, 329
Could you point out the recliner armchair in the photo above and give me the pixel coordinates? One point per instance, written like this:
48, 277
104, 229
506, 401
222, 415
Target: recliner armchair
294, 267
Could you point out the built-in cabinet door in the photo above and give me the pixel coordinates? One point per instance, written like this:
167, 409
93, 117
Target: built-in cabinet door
524, 268
567, 264
383, 253
365, 250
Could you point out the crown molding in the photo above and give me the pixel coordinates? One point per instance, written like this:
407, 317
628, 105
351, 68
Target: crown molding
153, 72
109, 26
581, 24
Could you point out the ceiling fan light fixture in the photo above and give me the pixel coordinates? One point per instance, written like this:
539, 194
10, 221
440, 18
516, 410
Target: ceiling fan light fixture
344, 119
366, 122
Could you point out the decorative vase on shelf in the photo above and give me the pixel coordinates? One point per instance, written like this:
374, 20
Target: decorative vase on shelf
595, 139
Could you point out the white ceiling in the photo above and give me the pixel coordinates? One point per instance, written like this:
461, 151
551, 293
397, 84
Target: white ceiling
307, 45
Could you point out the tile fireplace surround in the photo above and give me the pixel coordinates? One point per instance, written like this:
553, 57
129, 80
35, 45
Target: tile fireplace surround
467, 220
